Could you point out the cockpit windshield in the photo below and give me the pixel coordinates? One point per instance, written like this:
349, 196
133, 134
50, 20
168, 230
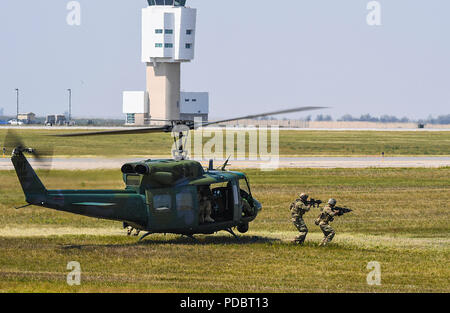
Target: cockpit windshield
244, 186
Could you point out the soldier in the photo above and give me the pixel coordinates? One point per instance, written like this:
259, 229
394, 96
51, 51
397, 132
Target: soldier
130, 229
298, 209
327, 216
246, 208
204, 209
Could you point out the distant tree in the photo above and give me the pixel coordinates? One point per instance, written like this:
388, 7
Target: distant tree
404, 120
388, 119
347, 118
444, 119
322, 118
441, 119
368, 118
308, 118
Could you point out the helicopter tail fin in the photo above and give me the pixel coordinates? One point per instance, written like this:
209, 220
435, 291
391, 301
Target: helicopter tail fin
35, 192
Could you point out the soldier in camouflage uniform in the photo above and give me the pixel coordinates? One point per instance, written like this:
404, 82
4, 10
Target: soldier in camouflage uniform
205, 208
130, 229
325, 218
298, 209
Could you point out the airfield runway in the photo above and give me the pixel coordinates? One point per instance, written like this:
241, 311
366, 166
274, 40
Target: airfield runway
295, 162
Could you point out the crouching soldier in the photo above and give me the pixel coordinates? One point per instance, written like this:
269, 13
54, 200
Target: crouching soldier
298, 209
325, 218
130, 230
247, 209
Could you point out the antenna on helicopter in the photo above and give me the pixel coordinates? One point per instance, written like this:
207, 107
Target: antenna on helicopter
224, 166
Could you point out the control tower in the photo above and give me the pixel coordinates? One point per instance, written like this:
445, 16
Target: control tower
168, 39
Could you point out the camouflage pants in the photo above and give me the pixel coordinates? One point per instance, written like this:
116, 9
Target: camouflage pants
302, 228
328, 232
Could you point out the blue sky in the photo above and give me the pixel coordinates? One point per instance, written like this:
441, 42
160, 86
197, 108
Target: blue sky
251, 56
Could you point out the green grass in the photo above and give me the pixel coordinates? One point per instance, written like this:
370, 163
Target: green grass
400, 220
292, 143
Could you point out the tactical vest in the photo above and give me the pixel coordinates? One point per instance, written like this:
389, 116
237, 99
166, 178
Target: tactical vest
324, 217
296, 213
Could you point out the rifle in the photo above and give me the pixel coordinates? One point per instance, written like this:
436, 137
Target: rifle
341, 211
314, 203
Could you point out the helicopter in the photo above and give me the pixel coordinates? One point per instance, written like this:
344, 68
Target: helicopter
161, 195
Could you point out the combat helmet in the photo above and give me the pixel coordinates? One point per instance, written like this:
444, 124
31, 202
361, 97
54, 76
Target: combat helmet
304, 196
332, 202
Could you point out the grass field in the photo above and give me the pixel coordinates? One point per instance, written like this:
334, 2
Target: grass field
400, 220
292, 143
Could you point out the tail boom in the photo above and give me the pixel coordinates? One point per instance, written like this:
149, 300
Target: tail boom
35, 192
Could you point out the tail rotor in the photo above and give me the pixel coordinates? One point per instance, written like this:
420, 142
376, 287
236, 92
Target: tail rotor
14, 144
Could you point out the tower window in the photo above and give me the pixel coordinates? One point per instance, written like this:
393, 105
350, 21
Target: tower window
176, 3
189, 32
168, 45
158, 45
188, 46
169, 31
158, 31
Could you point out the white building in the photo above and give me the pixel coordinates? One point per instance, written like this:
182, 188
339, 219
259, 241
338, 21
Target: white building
168, 39
135, 106
194, 104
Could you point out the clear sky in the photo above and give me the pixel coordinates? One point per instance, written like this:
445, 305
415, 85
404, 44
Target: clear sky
251, 55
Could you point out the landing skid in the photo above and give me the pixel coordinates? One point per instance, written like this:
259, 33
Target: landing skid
232, 232
147, 234
191, 236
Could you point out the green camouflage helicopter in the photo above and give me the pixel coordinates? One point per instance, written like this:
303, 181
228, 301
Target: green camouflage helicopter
161, 196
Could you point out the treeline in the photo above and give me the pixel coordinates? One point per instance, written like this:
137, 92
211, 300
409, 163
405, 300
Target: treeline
369, 118
442, 119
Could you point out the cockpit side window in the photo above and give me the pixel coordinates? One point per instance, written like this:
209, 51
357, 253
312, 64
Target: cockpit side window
162, 202
185, 200
244, 186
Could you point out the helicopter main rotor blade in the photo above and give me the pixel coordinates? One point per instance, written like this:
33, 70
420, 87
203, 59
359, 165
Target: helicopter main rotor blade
163, 129
293, 110
190, 124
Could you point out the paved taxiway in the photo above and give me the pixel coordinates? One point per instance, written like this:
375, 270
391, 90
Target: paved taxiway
296, 162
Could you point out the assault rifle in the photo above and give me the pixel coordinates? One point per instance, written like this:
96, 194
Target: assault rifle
314, 203
341, 211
